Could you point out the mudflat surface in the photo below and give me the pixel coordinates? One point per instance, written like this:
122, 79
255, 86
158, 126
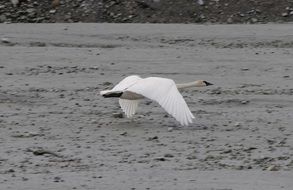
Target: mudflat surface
56, 132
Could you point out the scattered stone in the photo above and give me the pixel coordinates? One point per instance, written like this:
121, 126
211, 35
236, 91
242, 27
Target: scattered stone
26, 135
40, 151
38, 44
237, 124
160, 159
10, 171
191, 157
168, 155
118, 115
273, 168
285, 14
55, 3
239, 167
57, 179
229, 20
123, 134
200, 2
241, 14
14, 2
52, 11
107, 83
153, 138
3, 18
244, 102
227, 151
31, 10
254, 20
170, 129
5, 40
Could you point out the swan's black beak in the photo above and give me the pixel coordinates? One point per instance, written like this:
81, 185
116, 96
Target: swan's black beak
207, 83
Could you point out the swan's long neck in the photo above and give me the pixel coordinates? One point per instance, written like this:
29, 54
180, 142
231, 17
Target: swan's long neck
188, 85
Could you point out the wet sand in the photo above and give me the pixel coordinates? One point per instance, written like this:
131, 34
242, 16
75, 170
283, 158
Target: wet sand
56, 132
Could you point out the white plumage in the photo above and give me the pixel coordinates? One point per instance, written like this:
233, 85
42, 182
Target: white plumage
162, 90
128, 106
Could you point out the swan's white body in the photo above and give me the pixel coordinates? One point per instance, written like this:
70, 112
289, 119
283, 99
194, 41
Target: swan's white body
162, 90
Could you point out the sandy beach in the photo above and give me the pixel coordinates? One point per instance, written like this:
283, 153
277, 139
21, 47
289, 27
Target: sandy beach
57, 132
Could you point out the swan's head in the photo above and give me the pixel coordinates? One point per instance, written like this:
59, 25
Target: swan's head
202, 83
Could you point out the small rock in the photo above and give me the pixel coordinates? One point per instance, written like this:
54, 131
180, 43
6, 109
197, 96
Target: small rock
285, 14
118, 115
170, 129
30, 10
229, 20
244, 102
57, 179
153, 138
200, 2
160, 159
55, 3
254, 20
273, 168
107, 83
270, 141
11, 170
168, 155
237, 124
39, 152
244, 69
52, 11
5, 40
3, 18
14, 2
124, 133
94, 121
239, 167
191, 157
227, 151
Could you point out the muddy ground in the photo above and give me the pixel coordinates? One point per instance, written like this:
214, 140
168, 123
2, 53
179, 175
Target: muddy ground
56, 132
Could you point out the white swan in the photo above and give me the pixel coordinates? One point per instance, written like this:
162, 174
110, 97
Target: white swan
162, 90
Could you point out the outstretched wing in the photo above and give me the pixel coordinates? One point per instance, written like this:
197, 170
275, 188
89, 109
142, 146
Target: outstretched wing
165, 92
128, 106
126, 83
122, 85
